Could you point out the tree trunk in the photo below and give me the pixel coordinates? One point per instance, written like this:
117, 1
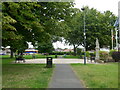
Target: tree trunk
74, 50
21, 53
18, 53
11, 53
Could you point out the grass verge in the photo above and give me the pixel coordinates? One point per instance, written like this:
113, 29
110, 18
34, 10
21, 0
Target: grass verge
24, 75
98, 75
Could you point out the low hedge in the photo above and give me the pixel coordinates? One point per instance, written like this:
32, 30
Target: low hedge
116, 56
111, 51
60, 53
104, 55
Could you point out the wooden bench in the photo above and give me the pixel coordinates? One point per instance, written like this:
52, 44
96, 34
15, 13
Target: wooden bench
19, 58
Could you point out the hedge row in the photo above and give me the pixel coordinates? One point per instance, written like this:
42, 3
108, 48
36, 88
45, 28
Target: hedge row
116, 56
61, 53
103, 54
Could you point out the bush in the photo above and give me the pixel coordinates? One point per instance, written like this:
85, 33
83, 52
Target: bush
87, 54
92, 54
116, 56
79, 51
110, 59
71, 53
111, 51
104, 55
99, 61
82, 56
60, 53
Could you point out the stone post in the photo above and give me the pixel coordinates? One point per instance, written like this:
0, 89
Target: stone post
97, 57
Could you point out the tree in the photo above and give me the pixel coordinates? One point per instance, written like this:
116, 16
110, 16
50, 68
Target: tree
74, 36
33, 21
46, 47
98, 25
9, 34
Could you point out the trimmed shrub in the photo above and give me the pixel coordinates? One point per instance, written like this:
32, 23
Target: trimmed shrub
111, 51
116, 56
104, 55
61, 53
82, 54
71, 53
82, 57
92, 54
99, 61
87, 54
79, 51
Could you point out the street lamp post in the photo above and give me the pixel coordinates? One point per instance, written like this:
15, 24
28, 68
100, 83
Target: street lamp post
119, 24
83, 9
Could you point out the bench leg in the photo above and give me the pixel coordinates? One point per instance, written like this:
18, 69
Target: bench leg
16, 61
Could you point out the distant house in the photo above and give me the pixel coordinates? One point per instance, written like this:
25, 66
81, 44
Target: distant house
2, 52
59, 50
104, 49
5, 51
68, 50
64, 50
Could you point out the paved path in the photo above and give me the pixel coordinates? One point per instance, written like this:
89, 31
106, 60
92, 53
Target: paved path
55, 61
64, 77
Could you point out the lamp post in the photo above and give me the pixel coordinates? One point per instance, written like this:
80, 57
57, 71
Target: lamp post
83, 9
119, 25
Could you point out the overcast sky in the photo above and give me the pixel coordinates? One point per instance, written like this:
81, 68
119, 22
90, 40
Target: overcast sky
100, 5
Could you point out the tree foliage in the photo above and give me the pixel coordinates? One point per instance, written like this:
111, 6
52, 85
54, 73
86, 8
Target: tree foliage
46, 47
43, 22
33, 21
98, 25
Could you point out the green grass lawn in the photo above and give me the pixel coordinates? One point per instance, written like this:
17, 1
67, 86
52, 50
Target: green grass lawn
24, 75
41, 56
44, 56
71, 56
97, 75
7, 60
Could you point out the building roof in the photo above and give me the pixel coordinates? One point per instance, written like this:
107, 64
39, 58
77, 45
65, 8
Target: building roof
31, 49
